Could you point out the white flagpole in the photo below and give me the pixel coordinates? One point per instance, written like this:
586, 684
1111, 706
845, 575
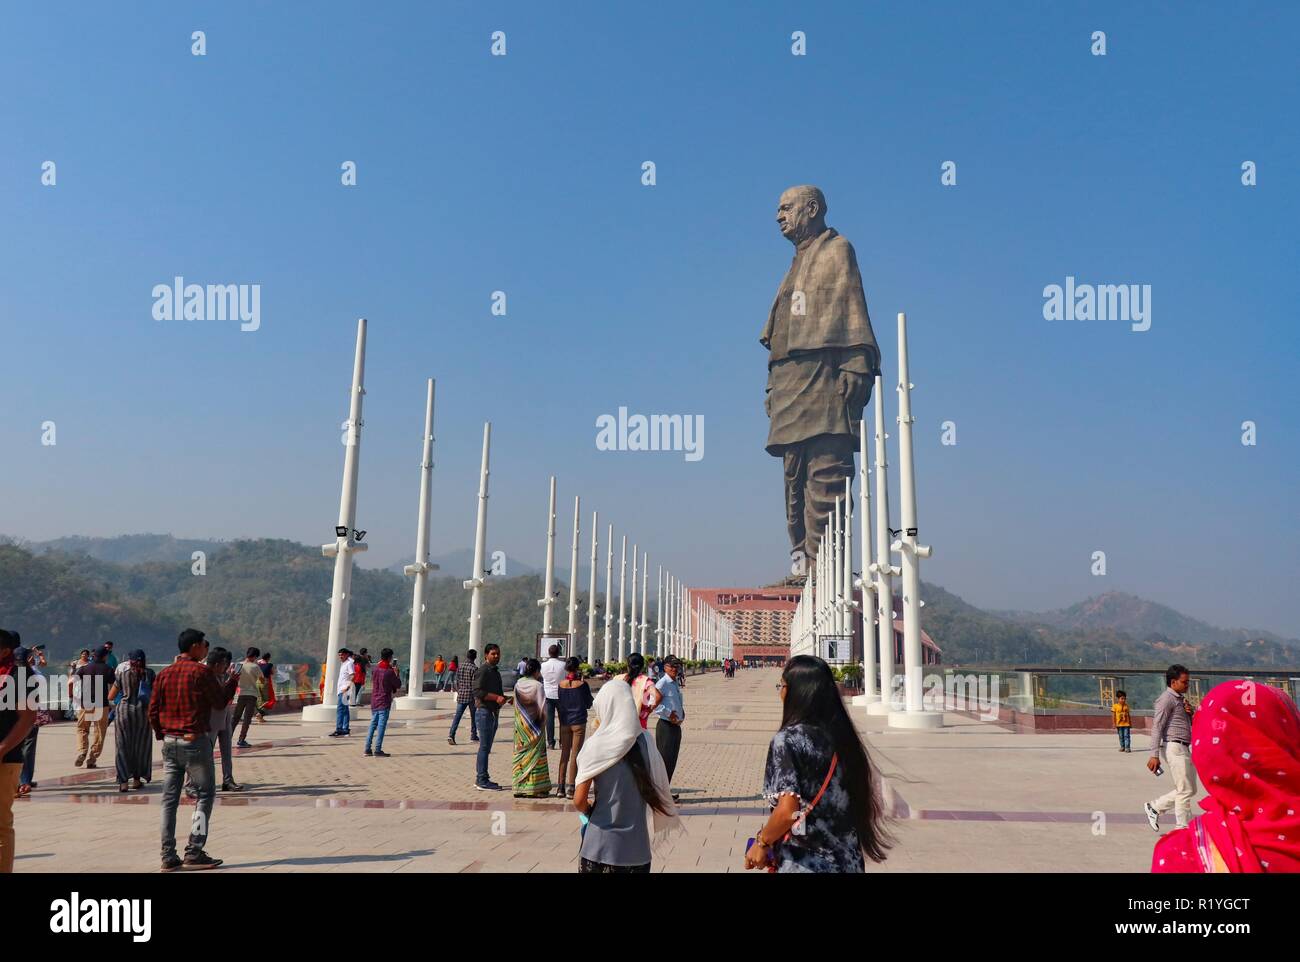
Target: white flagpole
414, 698
345, 544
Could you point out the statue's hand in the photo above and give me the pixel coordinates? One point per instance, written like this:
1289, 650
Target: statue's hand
854, 388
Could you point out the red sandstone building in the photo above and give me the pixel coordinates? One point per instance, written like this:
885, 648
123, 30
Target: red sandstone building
761, 621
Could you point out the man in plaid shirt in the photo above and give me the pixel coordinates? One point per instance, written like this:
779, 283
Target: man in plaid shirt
185, 693
465, 696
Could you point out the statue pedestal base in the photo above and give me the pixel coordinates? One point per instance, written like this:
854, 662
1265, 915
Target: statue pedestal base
864, 700
916, 719
879, 708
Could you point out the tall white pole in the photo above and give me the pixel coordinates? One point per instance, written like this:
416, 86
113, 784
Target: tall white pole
645, 590
591, 591
345, 544
631, 643
547, 602
570, 648
837, 571
671, 610
676, 616
849, 602
907, 547
870, 693
609, 593
622, 608
475, 583
414, 698
884, 571
659, 614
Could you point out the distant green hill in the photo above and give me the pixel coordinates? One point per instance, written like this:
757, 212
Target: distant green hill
269, 593
273, 594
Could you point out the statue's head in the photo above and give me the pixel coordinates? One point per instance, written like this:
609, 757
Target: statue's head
801, 213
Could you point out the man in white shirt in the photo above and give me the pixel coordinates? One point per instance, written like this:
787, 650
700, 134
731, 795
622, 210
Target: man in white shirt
552, 675
343, 724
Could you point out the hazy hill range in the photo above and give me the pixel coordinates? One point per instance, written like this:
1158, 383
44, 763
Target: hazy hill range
273, 594
1141, 619
128, 549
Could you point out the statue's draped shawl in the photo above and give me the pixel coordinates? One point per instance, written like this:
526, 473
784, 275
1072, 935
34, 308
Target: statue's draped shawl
836, 308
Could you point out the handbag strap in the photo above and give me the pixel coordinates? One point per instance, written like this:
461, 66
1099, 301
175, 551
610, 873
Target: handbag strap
803, 816
835, 760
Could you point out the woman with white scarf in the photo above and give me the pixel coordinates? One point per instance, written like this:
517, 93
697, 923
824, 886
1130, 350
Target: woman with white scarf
622, 768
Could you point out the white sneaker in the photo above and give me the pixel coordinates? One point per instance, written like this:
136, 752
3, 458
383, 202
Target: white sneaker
1153, 817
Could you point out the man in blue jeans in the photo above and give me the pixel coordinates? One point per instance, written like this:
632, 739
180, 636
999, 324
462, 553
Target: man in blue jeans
464, 686
185, 694
488, 699
384, 683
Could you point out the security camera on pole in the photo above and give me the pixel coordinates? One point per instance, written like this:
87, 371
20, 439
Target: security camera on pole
911, 552
347, 541
414, 699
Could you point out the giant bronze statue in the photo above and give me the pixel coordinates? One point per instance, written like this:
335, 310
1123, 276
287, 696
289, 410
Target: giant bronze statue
822, 362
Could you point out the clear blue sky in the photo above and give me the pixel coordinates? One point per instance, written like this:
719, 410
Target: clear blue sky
522, 174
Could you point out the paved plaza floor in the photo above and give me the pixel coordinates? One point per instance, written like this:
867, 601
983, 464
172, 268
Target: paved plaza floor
972, 797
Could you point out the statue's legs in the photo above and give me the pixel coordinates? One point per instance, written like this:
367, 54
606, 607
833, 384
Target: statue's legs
814, 477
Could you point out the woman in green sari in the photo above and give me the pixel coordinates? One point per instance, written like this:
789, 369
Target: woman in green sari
532, 774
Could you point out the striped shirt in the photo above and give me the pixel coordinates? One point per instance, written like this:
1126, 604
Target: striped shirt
1171, 723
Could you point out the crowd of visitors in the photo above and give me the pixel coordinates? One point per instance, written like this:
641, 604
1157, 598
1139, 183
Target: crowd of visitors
822, 790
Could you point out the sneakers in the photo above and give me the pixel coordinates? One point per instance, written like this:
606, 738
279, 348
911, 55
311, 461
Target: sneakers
170, 863
91, 765
337, 734
489, 786
382, 754
202, 860
230, 785
1153, 817
368, 752
451, 739
242, 744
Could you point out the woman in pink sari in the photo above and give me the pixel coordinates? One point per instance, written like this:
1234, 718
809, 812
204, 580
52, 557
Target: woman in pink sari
1246, 749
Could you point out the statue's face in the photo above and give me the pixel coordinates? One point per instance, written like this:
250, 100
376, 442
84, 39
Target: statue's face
796, 212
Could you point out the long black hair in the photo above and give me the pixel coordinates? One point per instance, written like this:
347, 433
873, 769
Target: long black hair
812, 698
636, 761
635, 665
